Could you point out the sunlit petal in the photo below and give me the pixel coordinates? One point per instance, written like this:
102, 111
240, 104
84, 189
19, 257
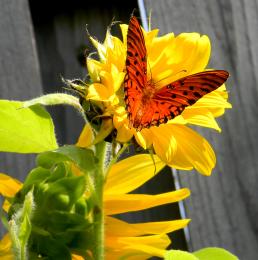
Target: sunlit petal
130, 173
164, 142
204, 118
8, 185
98, 92
133, 202
144, 246
193, 151
86, 137
101, 48
5, 248
115, 227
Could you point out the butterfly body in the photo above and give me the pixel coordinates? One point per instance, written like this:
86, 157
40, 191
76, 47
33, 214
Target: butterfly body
148, 105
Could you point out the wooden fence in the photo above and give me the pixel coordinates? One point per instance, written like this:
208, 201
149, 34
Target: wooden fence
224, 207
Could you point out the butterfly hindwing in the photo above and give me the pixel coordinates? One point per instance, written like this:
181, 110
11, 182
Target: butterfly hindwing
175, 97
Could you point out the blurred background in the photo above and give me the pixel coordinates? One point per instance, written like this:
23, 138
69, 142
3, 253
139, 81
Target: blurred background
40, 41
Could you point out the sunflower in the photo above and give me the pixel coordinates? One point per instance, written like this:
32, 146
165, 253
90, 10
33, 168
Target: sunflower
169, 58
138, 240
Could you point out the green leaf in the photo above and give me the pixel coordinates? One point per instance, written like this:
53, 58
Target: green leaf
82, 157
60, 221
179, 255
214, 253
25, 130
20, 227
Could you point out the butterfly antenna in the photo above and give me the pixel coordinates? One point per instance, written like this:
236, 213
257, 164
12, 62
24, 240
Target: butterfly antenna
113, 22
133, 12
149, 67
170, 76
149, 23
87, 30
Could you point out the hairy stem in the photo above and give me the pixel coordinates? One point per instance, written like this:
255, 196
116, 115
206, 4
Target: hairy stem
98, 250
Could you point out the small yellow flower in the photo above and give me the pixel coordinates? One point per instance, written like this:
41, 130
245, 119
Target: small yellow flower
141, 240
169, 58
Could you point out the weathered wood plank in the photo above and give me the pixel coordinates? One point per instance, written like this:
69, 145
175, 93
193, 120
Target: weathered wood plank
224, 207
19, 71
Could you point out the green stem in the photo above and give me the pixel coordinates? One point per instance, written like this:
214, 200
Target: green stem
98, 250
114, 160
99, 181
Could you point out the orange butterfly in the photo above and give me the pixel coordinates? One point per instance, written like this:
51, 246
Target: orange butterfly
148, 106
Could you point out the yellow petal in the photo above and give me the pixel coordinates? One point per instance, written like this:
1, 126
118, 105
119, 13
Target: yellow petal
133, 202
192, 51
132, 246
77, 257
215, 99
94, 68
86, 137
6, 205
117, 78
105, 129
108, 43
203, 118
124, 29
164, 142
144, 138
117, 54
101, 49
158, 44
124, 134
5, 248
8, 185
192, 151
149, 37
116, 227
130, 173
98, 92
178, 120
188, 54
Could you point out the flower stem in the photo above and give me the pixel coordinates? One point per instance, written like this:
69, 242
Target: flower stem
98, 250
114, 160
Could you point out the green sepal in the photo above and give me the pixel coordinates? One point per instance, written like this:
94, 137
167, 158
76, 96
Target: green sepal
36, 176
81, 207
49, 248
63, 193
60, 222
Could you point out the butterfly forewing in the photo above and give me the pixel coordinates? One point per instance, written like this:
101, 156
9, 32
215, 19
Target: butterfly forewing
136, 67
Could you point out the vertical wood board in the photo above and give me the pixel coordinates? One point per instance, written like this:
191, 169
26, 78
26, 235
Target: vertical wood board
224, 207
